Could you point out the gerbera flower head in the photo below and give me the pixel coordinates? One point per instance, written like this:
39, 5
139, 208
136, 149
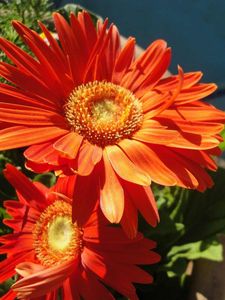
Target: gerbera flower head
50, 253
84, 105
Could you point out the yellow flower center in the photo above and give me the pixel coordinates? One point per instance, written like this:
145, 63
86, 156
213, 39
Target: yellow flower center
103, 112
56, 238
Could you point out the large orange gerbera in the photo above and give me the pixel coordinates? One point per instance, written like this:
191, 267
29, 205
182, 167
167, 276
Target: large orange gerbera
86, 106
50, 252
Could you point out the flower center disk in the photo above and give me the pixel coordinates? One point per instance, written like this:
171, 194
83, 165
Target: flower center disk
103, 112
56, 238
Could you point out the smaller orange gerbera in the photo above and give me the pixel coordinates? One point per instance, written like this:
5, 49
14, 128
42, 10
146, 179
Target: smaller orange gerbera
51, 254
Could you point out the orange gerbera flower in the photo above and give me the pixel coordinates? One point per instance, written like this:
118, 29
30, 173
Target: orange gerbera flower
86, 106
51, 253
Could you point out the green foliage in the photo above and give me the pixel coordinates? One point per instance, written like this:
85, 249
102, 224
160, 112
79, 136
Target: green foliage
222, 144
26, 11
47, 179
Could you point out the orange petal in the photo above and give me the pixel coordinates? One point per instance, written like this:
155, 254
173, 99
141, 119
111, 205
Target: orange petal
111, 194
20, 136
171, 82
148, 160
141, 68
85, 197
144, 201
195, 93
153, 76
96, 289
129, 221
8, 265
194, 141
39, 153
123, 61
65, 185
41, 282
195, 127
16, 96
113, 275
37, 167
20, 58
70, 291
208, 112
187, 173
52, 68
84, 164
155, 135
26, 115
69, 144
167, 100
97, 154
28, 268
124, 167
25, 187
25, 81
71, 48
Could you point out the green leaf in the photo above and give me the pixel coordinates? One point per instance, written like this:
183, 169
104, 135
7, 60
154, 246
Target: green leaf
222, 144
179, 256
48, 179
210, 249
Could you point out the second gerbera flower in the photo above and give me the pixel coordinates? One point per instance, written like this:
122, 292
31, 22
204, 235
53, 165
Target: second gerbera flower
52, 255
88, 107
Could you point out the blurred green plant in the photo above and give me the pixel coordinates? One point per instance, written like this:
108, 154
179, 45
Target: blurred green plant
26, 11
222, 144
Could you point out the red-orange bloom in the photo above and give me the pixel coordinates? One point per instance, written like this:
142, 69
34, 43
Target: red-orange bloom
87, 106
49, 252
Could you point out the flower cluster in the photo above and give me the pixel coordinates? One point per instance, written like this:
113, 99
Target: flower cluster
108, 124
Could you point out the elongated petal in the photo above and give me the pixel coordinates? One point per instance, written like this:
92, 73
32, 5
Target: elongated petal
84, 163
144, 201
95, 291
111, 193
141, 67
65, 186
124, 167
40, 283
156, 136
167, 99
70, 291
41, 153
129, 221
146, 159
25, 187
69, 144
20, 136
85, 197
8, 265
25, 115
123, 61
10, 94
114, 278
